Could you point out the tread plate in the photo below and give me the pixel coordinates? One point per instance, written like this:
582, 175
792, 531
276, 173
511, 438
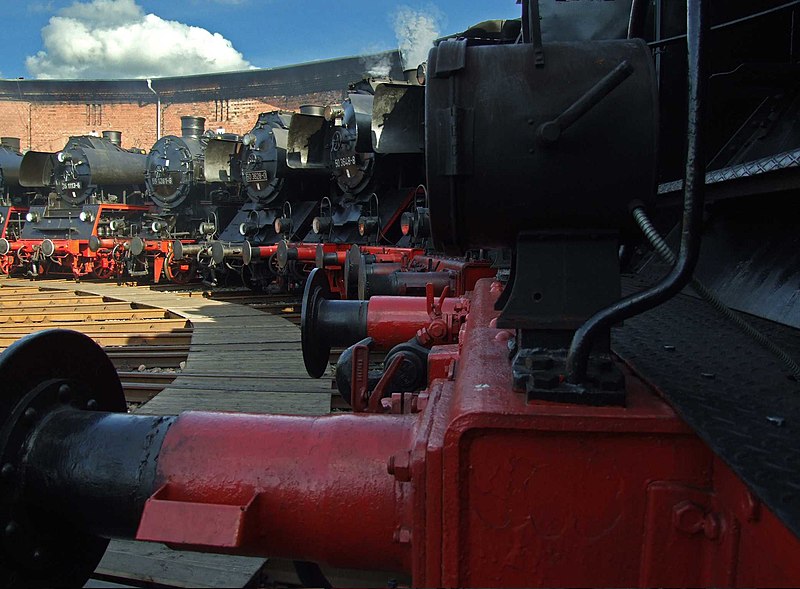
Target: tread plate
738, 397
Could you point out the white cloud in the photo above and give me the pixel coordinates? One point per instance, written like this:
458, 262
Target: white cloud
416, 31
116, 39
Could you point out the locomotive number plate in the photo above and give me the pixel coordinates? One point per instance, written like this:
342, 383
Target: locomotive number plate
343, 162
257, 176
162, 181
72, 186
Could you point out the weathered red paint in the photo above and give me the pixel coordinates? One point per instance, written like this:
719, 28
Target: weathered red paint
468, 484
466, 272
303, 493
73, 256
392, 320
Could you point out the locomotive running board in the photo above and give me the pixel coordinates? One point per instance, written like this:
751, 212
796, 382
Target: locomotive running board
738, 397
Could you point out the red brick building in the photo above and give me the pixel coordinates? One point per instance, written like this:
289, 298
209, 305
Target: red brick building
44, 113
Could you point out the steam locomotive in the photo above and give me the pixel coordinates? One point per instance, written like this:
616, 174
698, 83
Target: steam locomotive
371, 145
185, 206
90, 189
281, 200
580, 420
14, 200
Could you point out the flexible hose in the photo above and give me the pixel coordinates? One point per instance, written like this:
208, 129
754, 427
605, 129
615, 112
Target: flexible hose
663, 250
693, 202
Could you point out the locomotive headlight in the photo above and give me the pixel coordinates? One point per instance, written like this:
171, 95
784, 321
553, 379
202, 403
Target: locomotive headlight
422, 73
368, 226
86, 217
156, 226
283, 225
321, 224
248, 139
406, 221
117, 225
61, 157
333, 112
207, 228
32, 217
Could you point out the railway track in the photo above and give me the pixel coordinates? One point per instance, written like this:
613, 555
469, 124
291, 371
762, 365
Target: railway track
148, 345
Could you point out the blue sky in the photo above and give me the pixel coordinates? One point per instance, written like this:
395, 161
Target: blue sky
266, 33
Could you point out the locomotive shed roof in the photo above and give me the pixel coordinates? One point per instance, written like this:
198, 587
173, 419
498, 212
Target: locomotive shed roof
306, 78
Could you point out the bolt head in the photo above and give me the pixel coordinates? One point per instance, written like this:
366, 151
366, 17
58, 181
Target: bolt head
30, 414
400, 466
8, 471
92, 405
64, 393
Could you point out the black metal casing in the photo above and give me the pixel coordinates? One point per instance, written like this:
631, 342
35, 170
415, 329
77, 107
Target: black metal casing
570, 180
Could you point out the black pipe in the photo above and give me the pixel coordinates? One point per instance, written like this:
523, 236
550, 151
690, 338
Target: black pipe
694, 201
94, 469
396, 283
637, 19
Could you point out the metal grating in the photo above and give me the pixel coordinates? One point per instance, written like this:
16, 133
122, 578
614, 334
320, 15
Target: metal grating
738, 397
773, 163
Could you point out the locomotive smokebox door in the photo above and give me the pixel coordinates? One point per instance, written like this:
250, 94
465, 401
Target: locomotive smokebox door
36, 169
306, 142
219, 155
573, 143
397, 119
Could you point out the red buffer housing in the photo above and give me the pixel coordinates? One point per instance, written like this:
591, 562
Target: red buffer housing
474, 487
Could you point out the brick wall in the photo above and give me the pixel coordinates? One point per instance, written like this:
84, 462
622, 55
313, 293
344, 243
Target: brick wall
47, 126
44, 113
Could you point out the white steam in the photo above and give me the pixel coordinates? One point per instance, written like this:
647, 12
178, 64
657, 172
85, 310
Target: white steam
377, 65
116, 39
416, 31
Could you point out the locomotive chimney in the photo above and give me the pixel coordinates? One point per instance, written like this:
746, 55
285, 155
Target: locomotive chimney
11, 143
410, 76
114, 137
312, 110
192, 127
